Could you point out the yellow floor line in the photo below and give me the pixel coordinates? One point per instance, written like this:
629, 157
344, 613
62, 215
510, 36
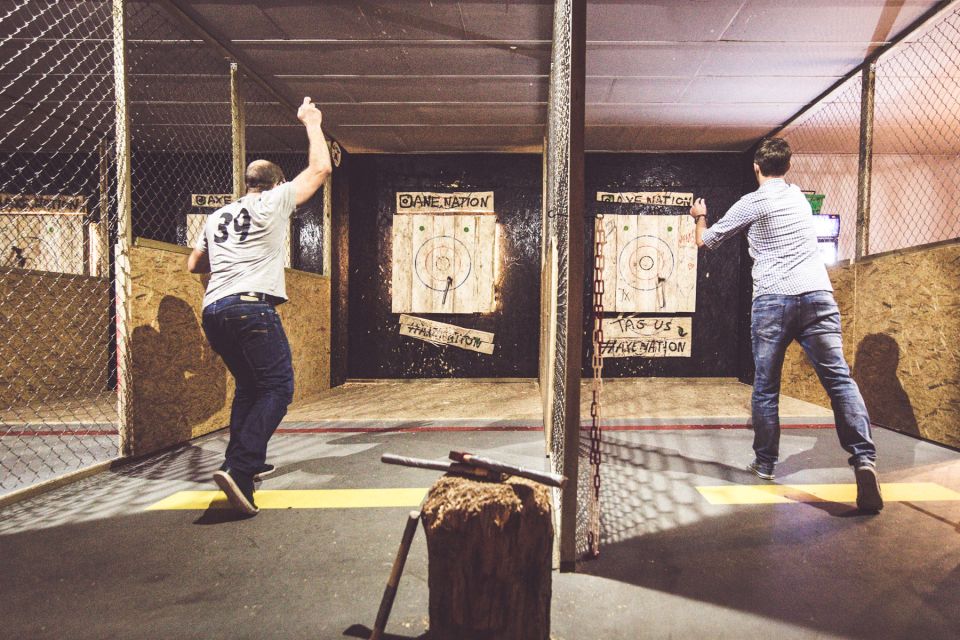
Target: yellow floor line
787, 493
302, 499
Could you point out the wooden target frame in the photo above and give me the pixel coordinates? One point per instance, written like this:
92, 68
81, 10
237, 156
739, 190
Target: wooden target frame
651, 264
444, 263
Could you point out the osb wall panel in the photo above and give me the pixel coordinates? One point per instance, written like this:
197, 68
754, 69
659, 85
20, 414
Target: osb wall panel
54, 336
799, 380
901, 316
180, 387
908, 322
306, 320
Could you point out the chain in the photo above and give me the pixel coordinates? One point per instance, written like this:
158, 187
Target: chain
600, 239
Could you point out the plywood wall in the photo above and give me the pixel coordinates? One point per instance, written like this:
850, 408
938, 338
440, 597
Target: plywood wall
901, 317
54, 337
181, 389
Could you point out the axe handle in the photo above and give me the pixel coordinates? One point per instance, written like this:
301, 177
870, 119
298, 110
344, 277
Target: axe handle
390, 592
439, 465
543, 477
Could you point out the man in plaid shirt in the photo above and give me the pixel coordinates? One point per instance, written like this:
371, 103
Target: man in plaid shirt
792, 300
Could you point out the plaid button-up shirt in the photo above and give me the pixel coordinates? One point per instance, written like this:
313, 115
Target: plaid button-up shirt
783, 242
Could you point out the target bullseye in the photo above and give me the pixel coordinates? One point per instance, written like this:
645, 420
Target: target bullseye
645, 261
442, 263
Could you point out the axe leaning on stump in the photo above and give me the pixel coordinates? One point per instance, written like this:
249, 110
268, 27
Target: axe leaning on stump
461, 463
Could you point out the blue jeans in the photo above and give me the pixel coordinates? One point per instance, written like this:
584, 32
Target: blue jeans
813, 320
251, 341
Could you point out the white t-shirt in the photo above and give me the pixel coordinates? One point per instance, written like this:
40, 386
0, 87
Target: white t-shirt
246, 243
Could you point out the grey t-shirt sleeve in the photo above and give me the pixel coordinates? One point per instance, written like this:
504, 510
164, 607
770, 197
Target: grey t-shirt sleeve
201, 244
279, 201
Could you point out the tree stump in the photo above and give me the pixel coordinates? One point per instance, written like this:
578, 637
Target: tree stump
489, 546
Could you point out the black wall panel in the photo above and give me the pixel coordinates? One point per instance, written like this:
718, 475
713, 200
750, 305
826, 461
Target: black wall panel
376, 349
716, 327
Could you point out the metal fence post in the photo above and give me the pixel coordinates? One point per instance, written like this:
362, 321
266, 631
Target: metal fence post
866, 160
122, 280
238, 129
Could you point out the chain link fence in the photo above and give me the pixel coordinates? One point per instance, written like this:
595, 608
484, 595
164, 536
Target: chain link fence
59, 211
916, 142
58, 225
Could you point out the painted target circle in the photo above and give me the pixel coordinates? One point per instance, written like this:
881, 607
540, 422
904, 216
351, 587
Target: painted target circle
443, 263
646, 261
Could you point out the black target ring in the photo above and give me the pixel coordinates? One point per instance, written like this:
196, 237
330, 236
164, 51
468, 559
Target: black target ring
440, 258
645, 262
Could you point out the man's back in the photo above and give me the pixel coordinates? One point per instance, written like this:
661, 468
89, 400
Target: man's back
246, 242
783, 241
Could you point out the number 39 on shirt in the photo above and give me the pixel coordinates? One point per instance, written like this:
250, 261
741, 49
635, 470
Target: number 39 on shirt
241, 226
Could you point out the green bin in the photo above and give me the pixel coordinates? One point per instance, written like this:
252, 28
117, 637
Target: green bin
815, 200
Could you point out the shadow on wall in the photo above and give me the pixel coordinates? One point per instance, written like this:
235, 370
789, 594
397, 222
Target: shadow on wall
875, 370
179, 382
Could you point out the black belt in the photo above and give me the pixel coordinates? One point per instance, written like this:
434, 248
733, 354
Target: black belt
261, 297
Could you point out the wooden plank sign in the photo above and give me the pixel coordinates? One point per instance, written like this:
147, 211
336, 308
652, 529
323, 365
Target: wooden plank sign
659, 198
641, 337
444, 263
210, 200
650, 264
460, 202
441, 333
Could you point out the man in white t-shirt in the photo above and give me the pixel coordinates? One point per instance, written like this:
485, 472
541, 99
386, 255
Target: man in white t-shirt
243, 248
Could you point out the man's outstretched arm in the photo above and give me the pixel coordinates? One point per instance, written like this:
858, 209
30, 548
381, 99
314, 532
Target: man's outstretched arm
740, 216
318, 157
198, 262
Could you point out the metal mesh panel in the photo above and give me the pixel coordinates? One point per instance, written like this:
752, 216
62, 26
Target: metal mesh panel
916, 142
57, 226
180, 123
826, 147
916, 167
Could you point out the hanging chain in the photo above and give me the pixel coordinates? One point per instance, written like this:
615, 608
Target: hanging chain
600, 239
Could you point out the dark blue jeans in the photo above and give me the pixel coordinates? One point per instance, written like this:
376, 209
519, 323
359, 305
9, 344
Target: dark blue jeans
251, 341
813, 320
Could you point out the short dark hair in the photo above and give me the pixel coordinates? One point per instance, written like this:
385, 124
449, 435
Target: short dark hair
262, 175
773, 157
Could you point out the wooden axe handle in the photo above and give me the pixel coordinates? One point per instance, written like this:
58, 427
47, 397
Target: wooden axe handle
543, 477
390, 592
439, 465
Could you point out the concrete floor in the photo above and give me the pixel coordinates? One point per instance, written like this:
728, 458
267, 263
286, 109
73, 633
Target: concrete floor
89, 561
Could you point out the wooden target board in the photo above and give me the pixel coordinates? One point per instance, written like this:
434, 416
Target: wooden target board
650, 264
444, 263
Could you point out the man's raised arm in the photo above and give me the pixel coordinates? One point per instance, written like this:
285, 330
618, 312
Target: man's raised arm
318, 167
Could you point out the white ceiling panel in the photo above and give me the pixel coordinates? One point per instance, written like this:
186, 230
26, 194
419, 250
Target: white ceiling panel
634, 90
663, 21
824, 20
379, 89
649, 60
755, 89
778, 59
442, 75
762, 115
515, 20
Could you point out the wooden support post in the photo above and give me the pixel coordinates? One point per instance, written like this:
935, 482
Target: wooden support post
124, 229
238, 129
328, 223
866, 160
